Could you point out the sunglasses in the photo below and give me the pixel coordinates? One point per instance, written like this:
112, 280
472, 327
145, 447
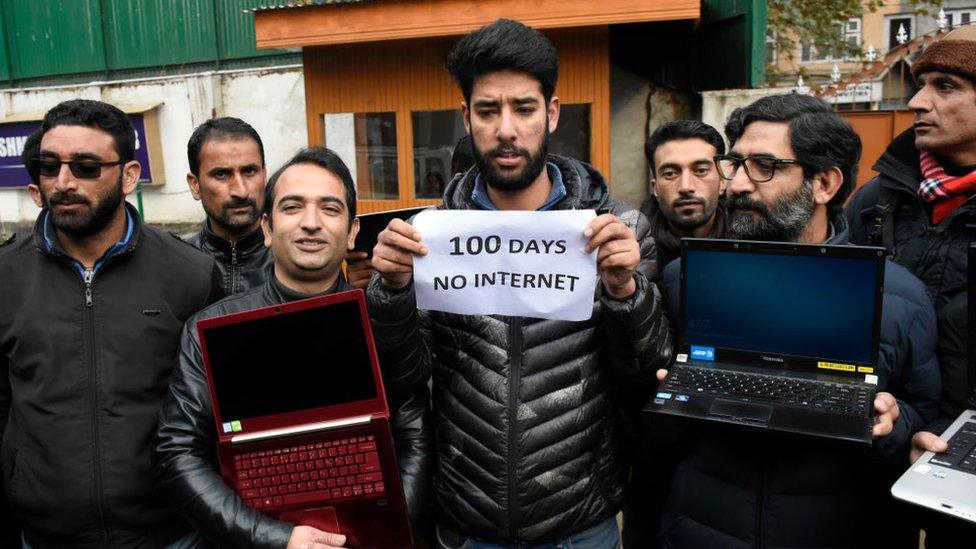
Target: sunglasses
82, 169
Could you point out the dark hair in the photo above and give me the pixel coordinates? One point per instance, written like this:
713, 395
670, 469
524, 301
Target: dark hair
463, 157
820, 138
226, 128
93, 114
324, 158
504, 45
680, 130
32, 149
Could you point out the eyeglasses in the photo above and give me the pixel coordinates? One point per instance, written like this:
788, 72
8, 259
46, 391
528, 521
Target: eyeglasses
759, 169
82, 169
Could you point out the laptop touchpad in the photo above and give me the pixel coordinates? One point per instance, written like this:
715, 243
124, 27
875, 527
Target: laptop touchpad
741, 411
323, 518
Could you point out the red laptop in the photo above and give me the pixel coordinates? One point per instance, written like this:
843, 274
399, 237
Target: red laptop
303, 423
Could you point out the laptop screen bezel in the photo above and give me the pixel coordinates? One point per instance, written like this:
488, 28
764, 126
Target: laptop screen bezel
777, 361
374, 407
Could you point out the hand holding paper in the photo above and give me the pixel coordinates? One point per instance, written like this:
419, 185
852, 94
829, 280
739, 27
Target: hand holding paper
619, 254
394, 251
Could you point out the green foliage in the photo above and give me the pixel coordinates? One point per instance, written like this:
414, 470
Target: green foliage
794, 22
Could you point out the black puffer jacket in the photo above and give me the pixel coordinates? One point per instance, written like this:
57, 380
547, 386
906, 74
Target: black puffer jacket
184, 458
745, 489
81, 383
526, 409
243, 264
935, 254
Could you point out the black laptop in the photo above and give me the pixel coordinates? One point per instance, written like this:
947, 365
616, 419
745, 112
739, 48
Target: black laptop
372, 224
777, 336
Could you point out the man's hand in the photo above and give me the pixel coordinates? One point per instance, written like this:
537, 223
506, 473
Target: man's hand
306, 537
618, 256
661, 374
394, 251
359, 269
924, 441
885, 414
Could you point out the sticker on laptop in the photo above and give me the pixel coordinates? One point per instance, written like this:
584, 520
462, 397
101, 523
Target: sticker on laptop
703, 353
682, 357
871, 379
865, 370
836, 366
226, 426
681, 398
232, 427
663, 395
924, 469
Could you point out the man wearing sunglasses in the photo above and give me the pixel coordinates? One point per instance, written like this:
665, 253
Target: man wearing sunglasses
90, 318
227, 175
792, 163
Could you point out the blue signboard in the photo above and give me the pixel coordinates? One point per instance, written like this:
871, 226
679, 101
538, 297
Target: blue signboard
14, 134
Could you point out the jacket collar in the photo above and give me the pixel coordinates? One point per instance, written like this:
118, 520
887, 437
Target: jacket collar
249, 243
585, 187
276, 292
46, 240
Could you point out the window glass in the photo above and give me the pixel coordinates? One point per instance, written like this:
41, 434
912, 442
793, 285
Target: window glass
367, 143
572, 135
435, 133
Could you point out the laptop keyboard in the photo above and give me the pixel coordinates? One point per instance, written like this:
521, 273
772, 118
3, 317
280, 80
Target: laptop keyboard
961, 454
334, 470
823, 396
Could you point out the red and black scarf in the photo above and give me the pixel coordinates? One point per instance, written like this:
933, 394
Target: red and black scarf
943, 191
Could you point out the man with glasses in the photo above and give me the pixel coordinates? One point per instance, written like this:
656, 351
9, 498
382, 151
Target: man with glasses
90, 314
791, 165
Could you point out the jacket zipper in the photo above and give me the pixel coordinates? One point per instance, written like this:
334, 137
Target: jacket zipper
233, 267
89, 278
514, 380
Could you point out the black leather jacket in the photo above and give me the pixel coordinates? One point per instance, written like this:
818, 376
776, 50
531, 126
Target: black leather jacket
184, 457
526, 409
243, 264
82, 378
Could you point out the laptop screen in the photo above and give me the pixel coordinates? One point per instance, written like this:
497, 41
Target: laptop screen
797, 305
290, 362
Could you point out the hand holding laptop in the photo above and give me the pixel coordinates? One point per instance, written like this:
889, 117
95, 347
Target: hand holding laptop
306, 537
924, 441
885, 414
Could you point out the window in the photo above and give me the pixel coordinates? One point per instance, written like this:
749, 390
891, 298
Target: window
850, 32
960, 17
435, 133
572, 135
771, 49
899, 26
367, 143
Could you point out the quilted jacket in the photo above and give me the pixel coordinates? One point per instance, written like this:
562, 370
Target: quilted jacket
528, 411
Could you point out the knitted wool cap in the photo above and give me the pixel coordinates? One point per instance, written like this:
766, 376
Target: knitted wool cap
956, 54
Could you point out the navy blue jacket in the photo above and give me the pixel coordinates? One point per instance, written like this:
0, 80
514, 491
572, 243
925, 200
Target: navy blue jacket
747, 490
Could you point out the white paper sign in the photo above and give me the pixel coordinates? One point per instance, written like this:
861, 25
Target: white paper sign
506, 263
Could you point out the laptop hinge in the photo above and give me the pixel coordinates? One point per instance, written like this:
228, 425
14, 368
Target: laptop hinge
299, 429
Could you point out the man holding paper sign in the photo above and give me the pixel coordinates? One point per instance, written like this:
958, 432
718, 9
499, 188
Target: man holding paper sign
527, 410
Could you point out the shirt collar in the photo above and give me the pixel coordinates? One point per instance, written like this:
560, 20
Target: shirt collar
53, 245
479, 195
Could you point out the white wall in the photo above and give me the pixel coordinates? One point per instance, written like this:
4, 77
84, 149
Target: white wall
718, 105
271, 100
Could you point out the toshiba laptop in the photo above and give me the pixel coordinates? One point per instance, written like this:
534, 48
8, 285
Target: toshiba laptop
372, 224
302, 419
946, 482
778, 336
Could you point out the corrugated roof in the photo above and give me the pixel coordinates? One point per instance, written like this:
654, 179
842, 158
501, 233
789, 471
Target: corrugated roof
285, 4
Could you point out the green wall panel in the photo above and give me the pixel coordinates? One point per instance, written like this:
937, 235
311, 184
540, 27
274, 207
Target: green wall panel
235, 21
146, 33
45, 37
